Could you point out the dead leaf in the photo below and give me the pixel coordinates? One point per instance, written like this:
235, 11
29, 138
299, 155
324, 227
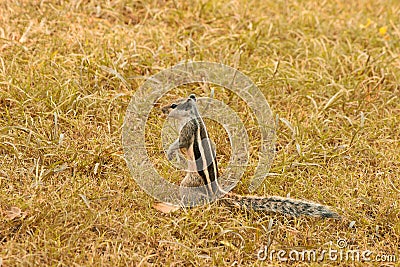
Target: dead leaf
164, 207
14, 212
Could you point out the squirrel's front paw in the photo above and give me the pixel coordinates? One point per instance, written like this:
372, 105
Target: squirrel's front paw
172, 155
177, 159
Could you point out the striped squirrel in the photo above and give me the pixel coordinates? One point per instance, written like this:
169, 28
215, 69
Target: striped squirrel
193, 137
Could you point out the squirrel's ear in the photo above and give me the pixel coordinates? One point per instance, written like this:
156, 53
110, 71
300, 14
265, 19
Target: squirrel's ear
193, 96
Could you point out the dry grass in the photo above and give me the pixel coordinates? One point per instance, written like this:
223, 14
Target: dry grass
66, 194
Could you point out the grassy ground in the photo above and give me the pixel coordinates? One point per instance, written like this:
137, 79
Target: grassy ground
329, 69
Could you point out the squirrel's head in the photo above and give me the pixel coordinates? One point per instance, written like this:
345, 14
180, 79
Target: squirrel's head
182, 108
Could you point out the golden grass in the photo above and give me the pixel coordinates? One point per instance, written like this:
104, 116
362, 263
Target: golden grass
329, 69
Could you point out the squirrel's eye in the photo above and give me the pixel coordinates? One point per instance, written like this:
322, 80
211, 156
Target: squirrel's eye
174, 105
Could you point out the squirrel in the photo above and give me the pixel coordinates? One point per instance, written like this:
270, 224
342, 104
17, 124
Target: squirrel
203, 168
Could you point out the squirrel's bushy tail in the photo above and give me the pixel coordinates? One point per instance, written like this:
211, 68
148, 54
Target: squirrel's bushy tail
287, 206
